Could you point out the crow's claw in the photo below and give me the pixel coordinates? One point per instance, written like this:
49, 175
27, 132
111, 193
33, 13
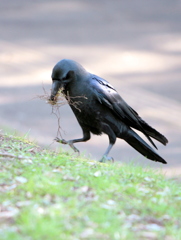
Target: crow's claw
74, 148
63, 141
105, 159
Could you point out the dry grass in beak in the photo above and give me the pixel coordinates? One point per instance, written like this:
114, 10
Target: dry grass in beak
60, 100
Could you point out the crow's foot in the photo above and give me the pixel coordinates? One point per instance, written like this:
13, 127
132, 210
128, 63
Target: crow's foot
63, 141
105, 159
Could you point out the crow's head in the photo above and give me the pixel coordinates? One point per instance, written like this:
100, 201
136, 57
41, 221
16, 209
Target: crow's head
63, 73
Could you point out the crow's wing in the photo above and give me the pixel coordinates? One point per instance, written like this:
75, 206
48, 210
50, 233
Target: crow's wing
108, 96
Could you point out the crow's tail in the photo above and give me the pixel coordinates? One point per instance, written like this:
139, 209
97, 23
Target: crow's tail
153, 132
142, 147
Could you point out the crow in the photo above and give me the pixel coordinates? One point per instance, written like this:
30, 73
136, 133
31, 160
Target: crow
100, 109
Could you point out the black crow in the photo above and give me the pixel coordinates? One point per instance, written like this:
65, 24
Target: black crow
101, 110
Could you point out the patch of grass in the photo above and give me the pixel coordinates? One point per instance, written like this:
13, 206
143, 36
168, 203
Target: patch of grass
48, 195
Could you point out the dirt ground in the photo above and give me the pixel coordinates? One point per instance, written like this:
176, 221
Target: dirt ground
135, 45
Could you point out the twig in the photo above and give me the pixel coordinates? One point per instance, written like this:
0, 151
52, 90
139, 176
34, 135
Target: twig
10, 155
60, 100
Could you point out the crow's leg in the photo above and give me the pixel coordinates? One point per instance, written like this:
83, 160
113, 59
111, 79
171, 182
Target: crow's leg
112, 139
86, 137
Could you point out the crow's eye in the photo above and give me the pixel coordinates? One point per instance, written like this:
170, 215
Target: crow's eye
65, 78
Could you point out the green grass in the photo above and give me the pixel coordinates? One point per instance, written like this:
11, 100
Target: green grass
47, 195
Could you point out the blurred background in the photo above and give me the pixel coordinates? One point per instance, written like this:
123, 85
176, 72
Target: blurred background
135, 45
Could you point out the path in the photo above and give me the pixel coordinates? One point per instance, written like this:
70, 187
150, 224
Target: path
135, 46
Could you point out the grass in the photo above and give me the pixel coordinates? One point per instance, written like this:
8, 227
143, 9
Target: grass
47, 195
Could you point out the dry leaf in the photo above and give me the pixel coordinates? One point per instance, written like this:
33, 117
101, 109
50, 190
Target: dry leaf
21, 179
87, 233
97, 174
68, 178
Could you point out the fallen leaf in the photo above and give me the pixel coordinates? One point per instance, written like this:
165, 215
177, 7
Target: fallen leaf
111, 202
153, 227
27, 161
68, 178
23, 203
57, 170
91, 163
97, 174
107, 206
10, 187
134, 218
32, 150
87, 233
148, 179
21, 179
84, 189
148, 235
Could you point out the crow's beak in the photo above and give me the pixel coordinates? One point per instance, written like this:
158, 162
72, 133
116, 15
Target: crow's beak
56, 85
